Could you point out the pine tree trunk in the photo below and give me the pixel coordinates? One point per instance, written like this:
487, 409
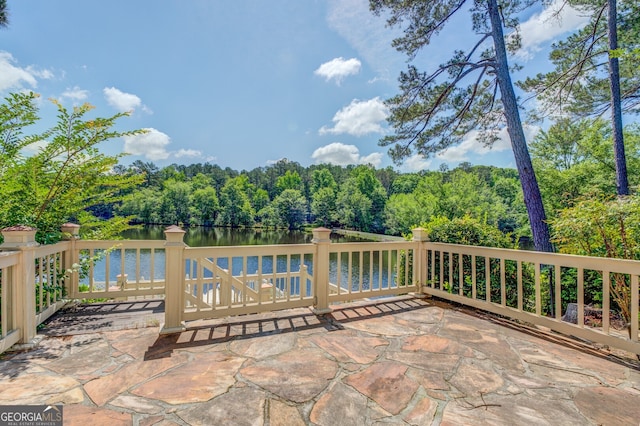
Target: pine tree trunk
530, 189
622, 183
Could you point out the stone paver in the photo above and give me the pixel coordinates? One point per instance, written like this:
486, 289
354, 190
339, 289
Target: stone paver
392, 361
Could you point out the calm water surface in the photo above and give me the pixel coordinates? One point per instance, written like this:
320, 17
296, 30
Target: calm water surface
205, 236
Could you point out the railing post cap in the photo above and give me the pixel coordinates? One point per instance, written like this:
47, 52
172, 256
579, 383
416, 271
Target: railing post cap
420, 234
174, 235
19, 236
321, 235
70, 231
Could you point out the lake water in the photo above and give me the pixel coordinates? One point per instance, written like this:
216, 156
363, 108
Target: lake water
206, 237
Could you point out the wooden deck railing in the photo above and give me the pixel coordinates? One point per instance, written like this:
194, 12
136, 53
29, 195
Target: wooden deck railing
211, 282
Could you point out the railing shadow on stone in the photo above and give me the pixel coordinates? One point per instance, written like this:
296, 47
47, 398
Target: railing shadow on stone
239, 328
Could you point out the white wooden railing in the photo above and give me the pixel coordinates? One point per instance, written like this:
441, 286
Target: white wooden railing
529, 286
211, 282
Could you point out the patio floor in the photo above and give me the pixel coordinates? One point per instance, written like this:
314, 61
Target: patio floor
391, 361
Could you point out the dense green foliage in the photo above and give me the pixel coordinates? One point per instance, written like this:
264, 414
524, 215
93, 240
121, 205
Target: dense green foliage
65, 177
322, 195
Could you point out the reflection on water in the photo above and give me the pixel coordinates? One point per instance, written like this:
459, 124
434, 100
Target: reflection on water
200, 236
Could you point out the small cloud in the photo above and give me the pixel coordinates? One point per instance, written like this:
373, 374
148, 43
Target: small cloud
13, 77
375, 159
75, 94
359, 118
188, 153
122, 101
43, 74
416, 163
34, 148
340, 154
192, 153
152, 144
339, 68
556, 19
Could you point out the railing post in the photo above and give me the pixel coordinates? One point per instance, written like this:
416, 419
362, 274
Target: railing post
321, 270
71, 233
420, 236
174, 247
23, 238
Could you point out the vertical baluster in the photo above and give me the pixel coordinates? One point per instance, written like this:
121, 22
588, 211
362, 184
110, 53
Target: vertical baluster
433, 268
91, 270
538, 288
503, 282
519, 276
558, 293
580, 297
634, 308
360, 269
380, 280
199, 276
350, 272
106, 272
123, 275
290, 286
450, 270
606, 308
474, 278
371, 254
40, 281
389, 268
152, 268
487, 278
460, 274
441, 264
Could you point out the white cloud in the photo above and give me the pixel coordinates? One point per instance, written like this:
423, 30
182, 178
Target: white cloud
122, 101
556, 19
192, 153
152, 144
187, 153
416, 163
13, 77
359, 118
76, 94
341, 154
338, 68
375, 159
34, 148
470, 147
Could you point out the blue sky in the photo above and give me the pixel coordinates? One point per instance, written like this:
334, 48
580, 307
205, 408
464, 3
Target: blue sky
239, 83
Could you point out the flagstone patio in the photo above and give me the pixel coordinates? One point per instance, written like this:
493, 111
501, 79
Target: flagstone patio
391, 361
